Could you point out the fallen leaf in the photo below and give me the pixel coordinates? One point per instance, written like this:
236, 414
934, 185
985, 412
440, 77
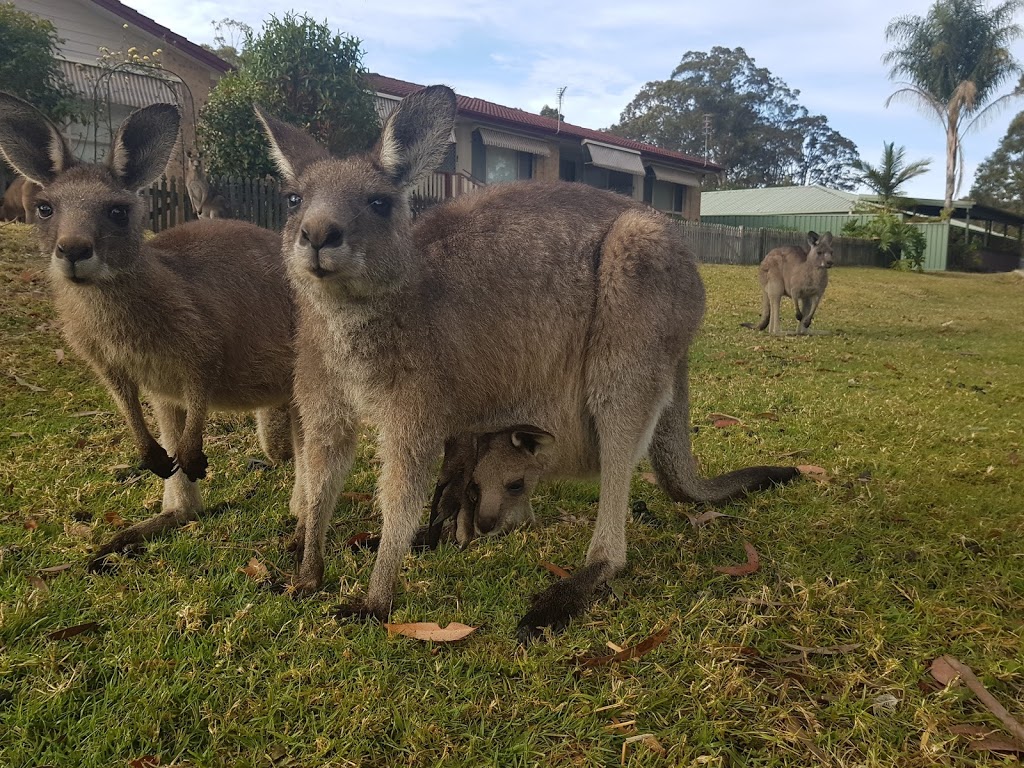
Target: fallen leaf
114, 518
355, 497
818, 474
83, 414
81, 443
30, 524
146, 761
998, 744
649, 478
966, 729
890, 366
59, 354
555, 569
78, 629
704, 518
256, 570
632, 652
648, 740
768, 416
53, 570
726, 422
37, 582
883, 703
28, 385
751, 566
78, 530
428, 630
946, 669
1013, 459
360, 539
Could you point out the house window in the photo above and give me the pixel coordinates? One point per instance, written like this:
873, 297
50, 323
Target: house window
602, 178
567, 170
497, 164
665, 196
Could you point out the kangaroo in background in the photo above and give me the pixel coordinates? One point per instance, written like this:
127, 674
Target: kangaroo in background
200, 316
543, 303
205, 202
19, 201
801, 274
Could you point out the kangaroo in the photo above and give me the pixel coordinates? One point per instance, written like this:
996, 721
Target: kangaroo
800, 274
205, 202
200, 316
19, 201
543, 303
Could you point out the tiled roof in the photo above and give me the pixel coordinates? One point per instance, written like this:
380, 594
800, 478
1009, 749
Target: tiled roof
147, 24
772, 200
488, 110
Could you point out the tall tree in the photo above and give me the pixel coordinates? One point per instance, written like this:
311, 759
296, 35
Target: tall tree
304, 73
554, 114
888, 177
1000, 178
952, 62
29, 67
756, 127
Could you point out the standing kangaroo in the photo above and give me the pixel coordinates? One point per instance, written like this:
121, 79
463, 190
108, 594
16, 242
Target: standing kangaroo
800, 274
200, 316
552, 304
205, 202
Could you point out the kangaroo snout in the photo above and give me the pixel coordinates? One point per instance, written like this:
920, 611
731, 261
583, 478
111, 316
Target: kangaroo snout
74, 249
315, 235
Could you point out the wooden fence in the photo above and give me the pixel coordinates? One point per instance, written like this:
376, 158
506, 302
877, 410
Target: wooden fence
722, 244
261, 202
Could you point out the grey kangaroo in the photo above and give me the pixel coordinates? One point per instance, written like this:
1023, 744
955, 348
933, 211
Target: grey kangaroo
200, 316
801, 274
552, 304
205, 201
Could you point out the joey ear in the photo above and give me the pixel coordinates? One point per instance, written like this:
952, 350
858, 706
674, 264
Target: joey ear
416, 136
812, 238
292, 149
531, 439
31, 143
143, 145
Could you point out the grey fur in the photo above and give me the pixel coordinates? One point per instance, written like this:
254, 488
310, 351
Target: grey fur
801, 274
551, 304
206, 202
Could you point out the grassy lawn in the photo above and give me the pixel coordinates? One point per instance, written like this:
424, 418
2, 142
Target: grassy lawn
914, 547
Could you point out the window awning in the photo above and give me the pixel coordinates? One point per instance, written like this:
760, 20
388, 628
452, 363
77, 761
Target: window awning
130, 89
614, 158
494, 138
675, 176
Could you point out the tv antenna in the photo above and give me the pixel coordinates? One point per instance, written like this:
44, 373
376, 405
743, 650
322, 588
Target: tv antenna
707, 136
561, 96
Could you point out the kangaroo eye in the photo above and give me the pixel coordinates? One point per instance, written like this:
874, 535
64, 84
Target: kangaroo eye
516, 486
294, 200
118, 214
45, 210
381, 206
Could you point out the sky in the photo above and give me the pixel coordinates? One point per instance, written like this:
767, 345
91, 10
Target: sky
520, 53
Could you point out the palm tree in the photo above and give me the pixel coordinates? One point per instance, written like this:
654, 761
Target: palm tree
952, 61
893, 172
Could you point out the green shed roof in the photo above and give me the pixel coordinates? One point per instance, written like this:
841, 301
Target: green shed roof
771, 200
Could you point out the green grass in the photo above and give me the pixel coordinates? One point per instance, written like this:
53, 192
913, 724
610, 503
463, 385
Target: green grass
914, 548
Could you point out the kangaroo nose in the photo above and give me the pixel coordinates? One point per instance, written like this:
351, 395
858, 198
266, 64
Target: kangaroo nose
485, 524
74, 249
321, 235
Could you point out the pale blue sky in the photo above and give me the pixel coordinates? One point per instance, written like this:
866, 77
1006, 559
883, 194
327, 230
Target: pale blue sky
520, 53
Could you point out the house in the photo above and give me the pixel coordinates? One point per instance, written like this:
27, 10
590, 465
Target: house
966, 240
187, 74
493, 143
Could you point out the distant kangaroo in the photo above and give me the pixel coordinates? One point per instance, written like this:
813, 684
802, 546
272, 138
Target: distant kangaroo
543, 303
798, 273
19, 201
205, 202
200, 316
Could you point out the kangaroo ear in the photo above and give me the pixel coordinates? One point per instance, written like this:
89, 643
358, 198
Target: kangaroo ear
531, 439
826, 239
416, 136
143, 145
812, 238
32, 144
292, 149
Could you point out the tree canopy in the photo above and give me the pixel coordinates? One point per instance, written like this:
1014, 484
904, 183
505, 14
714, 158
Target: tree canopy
757, 129
302, 72
952, 62
29, 67
999, 180
888, 177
